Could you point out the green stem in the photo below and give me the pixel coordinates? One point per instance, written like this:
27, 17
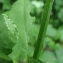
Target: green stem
44, 22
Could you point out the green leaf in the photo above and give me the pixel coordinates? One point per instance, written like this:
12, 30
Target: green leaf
34, 61
20, 15
8, 32
3, 55
6, 5
33, 33
47, 57
1, 1
59, 2
51, 31
4, 61
31, 51
60, 15
59, 54
60, 32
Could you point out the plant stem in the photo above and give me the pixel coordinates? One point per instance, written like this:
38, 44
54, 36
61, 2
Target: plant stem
44, 22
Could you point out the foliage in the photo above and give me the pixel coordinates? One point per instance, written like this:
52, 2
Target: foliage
19, 28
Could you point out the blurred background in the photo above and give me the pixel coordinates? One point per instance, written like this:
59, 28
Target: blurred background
54, 33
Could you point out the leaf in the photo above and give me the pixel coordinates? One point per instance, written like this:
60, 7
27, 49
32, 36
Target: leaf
49, 43
59, 2
4, 61
1, 1
60, 32
8, 36
3, 55
60, 15
33, 33
6, 5
8, 32
20, 15
59, 54
34, 61
31, 51
51, 31
47, 57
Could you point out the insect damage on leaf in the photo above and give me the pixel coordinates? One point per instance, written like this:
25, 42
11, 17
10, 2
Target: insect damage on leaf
12, 28
8, 32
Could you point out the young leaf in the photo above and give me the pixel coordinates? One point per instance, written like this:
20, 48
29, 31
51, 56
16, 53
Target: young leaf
20, 15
